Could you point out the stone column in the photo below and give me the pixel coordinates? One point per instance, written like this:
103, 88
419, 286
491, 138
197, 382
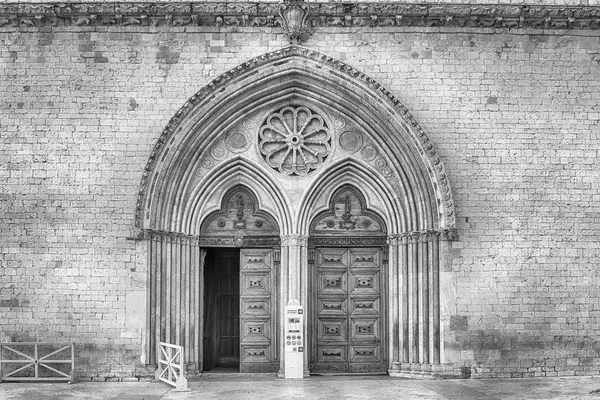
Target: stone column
175, 296
297, 264
404, 275
424, 270
417, 260
294, 283
394, 303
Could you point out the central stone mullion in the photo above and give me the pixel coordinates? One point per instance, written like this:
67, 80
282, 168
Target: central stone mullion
295, 266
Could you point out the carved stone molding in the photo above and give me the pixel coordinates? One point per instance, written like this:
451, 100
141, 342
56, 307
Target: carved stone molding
423, 236
158, 234
236, 14
348, 241
225, 241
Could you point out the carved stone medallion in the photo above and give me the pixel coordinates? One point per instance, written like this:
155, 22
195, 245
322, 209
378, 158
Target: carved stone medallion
294, 140
351, 141
237, 141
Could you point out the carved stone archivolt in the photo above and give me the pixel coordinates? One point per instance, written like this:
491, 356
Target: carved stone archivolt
346, 15
301, 61
294, 140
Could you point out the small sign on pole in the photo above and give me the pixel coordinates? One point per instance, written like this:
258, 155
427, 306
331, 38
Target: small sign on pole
294, 340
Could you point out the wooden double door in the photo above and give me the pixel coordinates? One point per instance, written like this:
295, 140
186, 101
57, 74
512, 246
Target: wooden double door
346, 310
347, 329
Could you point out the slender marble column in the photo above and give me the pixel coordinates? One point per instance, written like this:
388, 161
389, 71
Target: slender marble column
435, 297
414, 300
176, 271
296, 248
395, 302
424, 269
404, 302
283, 298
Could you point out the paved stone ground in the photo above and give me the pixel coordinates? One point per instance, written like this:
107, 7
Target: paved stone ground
265, 387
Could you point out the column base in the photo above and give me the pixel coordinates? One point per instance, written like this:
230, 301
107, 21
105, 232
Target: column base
423, 371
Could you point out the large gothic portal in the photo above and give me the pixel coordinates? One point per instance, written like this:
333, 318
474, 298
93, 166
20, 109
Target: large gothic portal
294, 176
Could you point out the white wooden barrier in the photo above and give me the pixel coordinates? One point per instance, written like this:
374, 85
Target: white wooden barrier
171, 367
30, 354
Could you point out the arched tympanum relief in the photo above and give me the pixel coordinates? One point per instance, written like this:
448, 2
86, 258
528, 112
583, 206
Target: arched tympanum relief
348, 216
239, 216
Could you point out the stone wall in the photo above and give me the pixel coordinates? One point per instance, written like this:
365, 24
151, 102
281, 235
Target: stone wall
513, 114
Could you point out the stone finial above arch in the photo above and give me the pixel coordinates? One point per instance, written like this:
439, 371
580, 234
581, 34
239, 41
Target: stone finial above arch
206, 132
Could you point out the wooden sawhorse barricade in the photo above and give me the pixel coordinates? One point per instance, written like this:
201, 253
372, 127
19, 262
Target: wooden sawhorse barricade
33, 361
171, 367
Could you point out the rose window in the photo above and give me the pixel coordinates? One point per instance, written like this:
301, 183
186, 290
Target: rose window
294, 140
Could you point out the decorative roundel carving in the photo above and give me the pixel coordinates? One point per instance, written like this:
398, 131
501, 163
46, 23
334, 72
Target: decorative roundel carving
380, 163
369, 153
237, 141
339, 123
351, 141
218, 151
294, 140
207, 162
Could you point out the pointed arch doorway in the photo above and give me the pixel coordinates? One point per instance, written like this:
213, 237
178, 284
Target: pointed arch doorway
293, 127
240, 299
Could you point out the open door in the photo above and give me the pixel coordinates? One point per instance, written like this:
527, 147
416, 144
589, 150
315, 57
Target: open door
240, 305
258, 277
221, 309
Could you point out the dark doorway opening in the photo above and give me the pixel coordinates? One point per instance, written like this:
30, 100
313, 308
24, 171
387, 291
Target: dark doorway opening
222, 309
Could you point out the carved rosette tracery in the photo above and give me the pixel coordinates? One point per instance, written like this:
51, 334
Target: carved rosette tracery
294, 140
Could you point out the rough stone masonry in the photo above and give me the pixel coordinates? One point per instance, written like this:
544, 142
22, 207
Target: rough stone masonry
508, 91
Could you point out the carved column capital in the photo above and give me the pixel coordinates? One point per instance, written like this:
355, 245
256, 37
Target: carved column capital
294, 240
427, 235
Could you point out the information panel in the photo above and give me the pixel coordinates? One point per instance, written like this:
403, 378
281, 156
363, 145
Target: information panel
294, 340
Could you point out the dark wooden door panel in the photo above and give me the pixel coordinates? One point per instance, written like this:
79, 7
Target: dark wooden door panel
258, 319
347, 291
